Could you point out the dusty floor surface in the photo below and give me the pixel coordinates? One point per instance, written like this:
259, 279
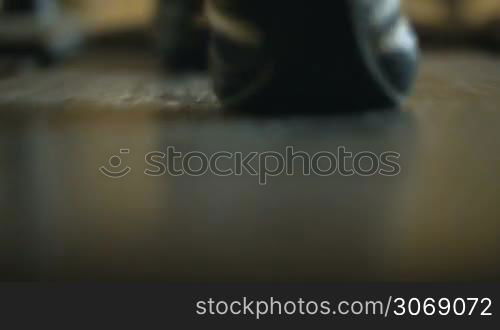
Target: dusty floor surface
438, 219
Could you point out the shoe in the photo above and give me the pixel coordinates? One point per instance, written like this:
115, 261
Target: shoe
349, 55
182, 35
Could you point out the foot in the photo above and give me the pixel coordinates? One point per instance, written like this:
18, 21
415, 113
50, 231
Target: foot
267, 55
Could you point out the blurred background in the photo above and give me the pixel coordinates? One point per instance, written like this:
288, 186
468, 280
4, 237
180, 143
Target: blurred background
472, 20
440, 22
60, 219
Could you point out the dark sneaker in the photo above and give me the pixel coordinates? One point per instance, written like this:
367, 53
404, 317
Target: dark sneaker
182, 34
344, 55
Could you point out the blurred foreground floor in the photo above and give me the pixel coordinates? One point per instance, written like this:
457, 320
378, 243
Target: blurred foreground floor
62, 219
